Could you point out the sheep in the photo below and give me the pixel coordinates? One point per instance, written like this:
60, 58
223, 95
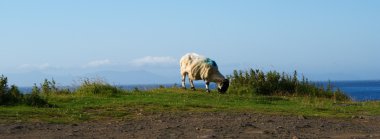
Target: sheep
198, 67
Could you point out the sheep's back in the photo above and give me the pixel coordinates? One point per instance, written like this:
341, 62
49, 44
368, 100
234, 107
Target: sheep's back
201, 70
198, 67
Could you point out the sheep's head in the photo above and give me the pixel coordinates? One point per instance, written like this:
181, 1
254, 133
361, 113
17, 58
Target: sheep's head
223, 86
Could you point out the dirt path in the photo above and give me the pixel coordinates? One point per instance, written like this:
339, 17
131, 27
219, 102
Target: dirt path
202, 125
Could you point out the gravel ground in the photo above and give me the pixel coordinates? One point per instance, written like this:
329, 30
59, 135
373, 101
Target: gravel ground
204, 126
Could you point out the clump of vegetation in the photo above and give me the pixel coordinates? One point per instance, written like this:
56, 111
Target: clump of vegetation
9, 96
49, 87
12, 95
35, 99
275, 83
97, 87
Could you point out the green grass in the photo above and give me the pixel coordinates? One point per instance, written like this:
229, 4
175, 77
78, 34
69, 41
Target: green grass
76, 107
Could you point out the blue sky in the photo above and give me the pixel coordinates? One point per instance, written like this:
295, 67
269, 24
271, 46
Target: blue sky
324, 39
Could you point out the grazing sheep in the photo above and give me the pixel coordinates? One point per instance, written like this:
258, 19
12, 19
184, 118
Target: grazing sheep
198, 67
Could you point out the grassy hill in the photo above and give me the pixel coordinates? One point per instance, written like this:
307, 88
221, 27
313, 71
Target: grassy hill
69, 108
250, 92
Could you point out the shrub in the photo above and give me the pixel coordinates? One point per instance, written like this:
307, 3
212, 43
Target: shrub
97, 87
13, 96
48, 87
34, 99
9, 96
274, 83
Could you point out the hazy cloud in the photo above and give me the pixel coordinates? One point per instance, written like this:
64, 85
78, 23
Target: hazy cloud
97, 63
154, 60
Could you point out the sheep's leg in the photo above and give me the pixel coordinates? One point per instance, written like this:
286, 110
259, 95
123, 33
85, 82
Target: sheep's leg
207, 87
192, 84
183, 80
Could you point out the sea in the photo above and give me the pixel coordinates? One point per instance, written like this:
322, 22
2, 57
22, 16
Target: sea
357, 90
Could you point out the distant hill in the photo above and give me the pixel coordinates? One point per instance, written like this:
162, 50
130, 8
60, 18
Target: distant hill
131, 77
112, 77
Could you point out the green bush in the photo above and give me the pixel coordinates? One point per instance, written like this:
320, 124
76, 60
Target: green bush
49, 88
35, 99
13, 96
9, 96
255, 82
97, 87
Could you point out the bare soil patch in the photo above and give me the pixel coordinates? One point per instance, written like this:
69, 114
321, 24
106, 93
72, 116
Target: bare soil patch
202, 125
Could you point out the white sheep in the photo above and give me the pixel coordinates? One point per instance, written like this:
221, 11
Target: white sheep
198, 67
